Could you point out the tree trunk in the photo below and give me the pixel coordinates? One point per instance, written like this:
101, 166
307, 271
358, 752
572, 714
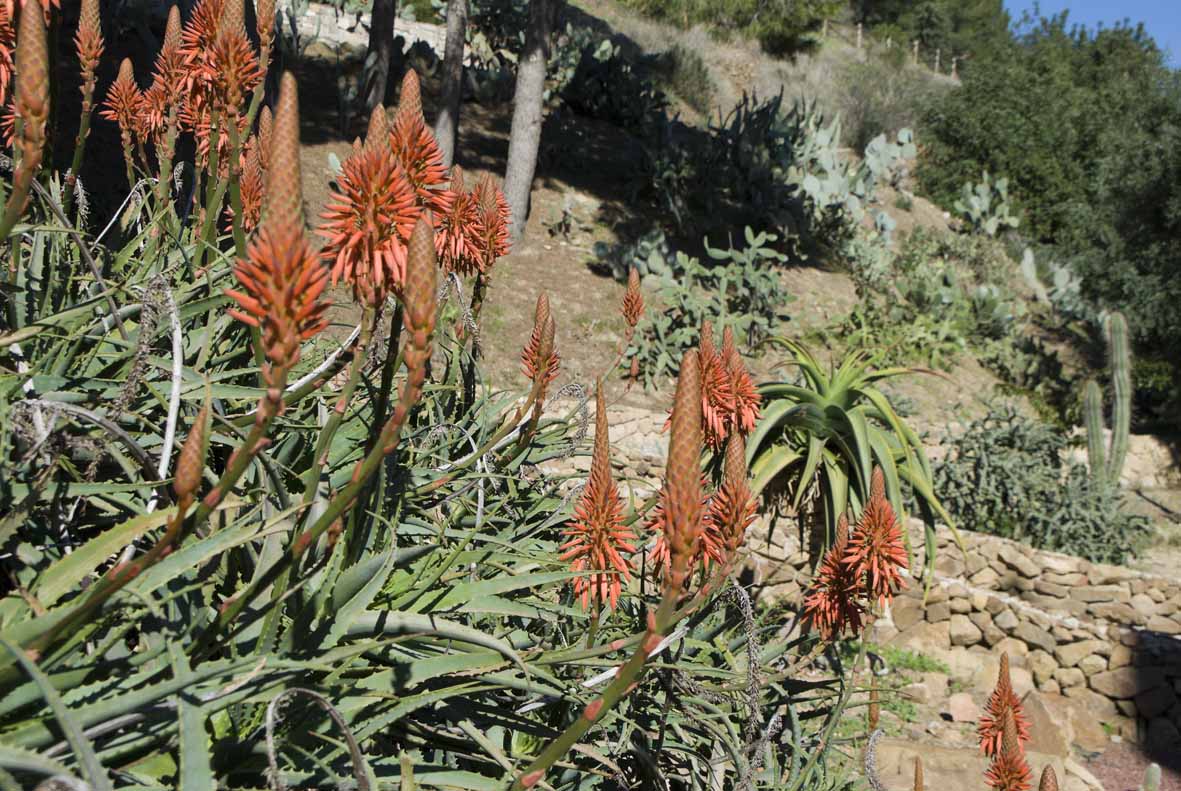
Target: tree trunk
447, 124
381, 51
527, 114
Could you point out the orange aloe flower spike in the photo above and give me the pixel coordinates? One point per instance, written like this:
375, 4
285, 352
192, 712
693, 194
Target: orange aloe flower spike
876, 552
832, 605
717, 395
1002, 699
683, 475
597, 537
1009, 770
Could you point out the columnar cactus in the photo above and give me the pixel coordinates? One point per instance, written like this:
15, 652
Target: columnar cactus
1106, 464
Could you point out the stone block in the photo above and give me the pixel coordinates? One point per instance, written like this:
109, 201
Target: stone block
1127, 682
1092, 664
1050, 728
963, 632
1051, 589
1034, 636
937, 612
1164, 625
1070, 655
1068, 677
1005, 620
1099, 593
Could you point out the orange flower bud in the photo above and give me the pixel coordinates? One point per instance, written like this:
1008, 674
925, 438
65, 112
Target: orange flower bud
683, 475
284, 193
633, 301
1049, 781
191, 460
32, 83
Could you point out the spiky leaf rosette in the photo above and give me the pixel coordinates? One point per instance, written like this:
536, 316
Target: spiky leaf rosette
457, 228
876, 553
832, 605
597, 538
367, 224
1002, 699
415, 146
1009, 770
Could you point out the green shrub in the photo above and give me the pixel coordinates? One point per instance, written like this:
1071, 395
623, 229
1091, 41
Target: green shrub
742, 289
1005, 474
781, 27
884, 97
683, 72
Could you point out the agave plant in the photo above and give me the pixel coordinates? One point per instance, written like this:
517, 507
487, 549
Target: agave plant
826, 435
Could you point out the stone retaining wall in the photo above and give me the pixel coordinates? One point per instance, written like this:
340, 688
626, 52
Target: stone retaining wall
1105, 637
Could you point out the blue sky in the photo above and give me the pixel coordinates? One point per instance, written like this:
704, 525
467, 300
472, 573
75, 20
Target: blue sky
1162, 18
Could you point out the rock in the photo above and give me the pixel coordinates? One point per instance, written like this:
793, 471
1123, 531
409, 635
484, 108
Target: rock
1127, 682
1050, 728
1014, 558
937, 612
963, 631
1071, 655
1092, 664
1143, 604
1076, 770
1005, 620
925, 637
1098, 706
961, 606
1108, 575
1058, 564
1018, 651
1164, 737
1042, 665
1050, 687
1121, 656
1115, 611
979, 599
1051, 589
1034, 636
1069, 677
1069, 580
994, 606
982, 619
1099, 593
985, 578
993, 635
1159, 623
906, 612
961, 708
1155, 702
943, 767
930, 688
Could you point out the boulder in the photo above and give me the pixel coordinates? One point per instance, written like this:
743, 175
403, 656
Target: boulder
925, 637
1035, 636
1098, 706
1068, 677
943, 767
963, 632
1070, 655
1159, 623
906, 612
1098, 593
1049, 725
1127, 682
961, 708
938, 611
1042, 665
1005, 620
1092, 664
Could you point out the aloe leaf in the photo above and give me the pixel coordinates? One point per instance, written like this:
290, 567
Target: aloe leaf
83, 750
196, 771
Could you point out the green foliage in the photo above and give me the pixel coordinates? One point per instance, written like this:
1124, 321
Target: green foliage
594, 78
884, 98
974, 28
1005, 474
683, 71
827, 434
1087, 125
985, 206
939, 295
781, 27
741, 289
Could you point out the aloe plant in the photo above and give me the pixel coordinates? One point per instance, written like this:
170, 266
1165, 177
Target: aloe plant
826, 434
